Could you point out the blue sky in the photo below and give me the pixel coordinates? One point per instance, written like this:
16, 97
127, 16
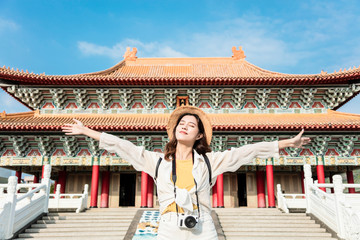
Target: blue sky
70, 37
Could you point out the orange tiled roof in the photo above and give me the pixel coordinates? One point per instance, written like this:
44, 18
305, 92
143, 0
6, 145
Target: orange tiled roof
33, 121
181, 71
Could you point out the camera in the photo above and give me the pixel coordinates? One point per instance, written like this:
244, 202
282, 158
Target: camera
187, 221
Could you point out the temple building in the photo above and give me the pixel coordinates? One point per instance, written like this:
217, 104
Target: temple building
133, 100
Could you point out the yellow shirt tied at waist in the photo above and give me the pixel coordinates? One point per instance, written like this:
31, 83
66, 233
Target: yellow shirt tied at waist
185, 180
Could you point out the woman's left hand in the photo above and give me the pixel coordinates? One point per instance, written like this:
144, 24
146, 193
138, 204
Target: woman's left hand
296, 142
299, 141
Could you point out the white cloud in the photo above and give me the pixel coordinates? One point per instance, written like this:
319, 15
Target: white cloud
6, 24
272, 43
256, 34
116, 52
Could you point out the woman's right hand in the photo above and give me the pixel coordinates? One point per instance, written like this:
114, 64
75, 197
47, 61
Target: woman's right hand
74, 129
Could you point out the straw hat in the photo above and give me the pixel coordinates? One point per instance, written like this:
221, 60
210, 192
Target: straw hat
174, 117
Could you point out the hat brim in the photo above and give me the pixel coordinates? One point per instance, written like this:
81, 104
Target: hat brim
174, 117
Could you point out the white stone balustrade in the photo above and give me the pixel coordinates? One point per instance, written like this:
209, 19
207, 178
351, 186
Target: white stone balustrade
339, 211
286, 201
66, 201
17, 210
335, 210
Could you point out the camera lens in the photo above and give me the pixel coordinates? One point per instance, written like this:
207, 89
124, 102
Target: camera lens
190, 222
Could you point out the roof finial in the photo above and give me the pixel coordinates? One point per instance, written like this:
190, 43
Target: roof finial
130, 56
238, 54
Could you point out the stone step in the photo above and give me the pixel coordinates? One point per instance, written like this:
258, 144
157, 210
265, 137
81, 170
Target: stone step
271, 225
277, 238
247, 209
76, 224
118, 237
266, 221
240, 229
71, 234
280, 234
285, 217
84, 221
91, 214
104, 210
95, 217
76, 229
256, 214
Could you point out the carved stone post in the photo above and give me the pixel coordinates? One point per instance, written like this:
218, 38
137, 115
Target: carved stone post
46, 180
57, 195
11, 199
308, 183
339, 197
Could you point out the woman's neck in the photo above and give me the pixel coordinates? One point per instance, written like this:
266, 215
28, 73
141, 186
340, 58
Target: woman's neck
183, 152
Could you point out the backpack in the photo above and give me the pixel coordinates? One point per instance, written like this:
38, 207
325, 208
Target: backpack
206, 161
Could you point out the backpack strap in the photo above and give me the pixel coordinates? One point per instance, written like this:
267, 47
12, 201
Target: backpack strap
209, 167
157, 168
206, 161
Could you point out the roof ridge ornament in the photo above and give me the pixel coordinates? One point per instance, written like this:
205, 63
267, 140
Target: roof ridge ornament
238, 54
130, 55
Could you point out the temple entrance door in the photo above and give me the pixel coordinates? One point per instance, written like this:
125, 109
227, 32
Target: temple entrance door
242, 196
127, 189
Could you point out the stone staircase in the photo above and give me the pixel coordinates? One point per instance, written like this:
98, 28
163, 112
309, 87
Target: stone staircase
268, 224
96, 223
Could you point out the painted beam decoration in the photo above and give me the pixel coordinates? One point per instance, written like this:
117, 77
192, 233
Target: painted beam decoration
162, 100
77, 151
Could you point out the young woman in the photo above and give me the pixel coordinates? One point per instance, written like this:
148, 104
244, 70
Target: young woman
183, 183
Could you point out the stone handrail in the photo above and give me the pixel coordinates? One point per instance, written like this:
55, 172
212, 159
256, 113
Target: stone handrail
62, 200
17, 210
333, 209
286, 201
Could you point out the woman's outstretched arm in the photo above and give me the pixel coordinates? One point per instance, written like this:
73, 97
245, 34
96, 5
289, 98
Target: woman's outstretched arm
80, 129
137, 156
232, 160
296, 142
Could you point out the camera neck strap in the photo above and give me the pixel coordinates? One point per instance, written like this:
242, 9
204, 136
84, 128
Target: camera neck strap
174, 178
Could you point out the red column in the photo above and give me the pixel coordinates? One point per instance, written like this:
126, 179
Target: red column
220, 190
144, 183
260, 186
36, 178
320, 171
18, 175
150, 192
302, 181
46, 161
350, 179
94, 184
214, 195
42, 171
55, 184
270, 183
62, 181
105, 184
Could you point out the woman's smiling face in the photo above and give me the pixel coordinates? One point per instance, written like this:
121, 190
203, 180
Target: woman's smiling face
187, 131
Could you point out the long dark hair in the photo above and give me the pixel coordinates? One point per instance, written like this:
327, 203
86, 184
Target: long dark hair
201, 146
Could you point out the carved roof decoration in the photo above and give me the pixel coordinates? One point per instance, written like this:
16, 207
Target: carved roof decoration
34, 121
180, 71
